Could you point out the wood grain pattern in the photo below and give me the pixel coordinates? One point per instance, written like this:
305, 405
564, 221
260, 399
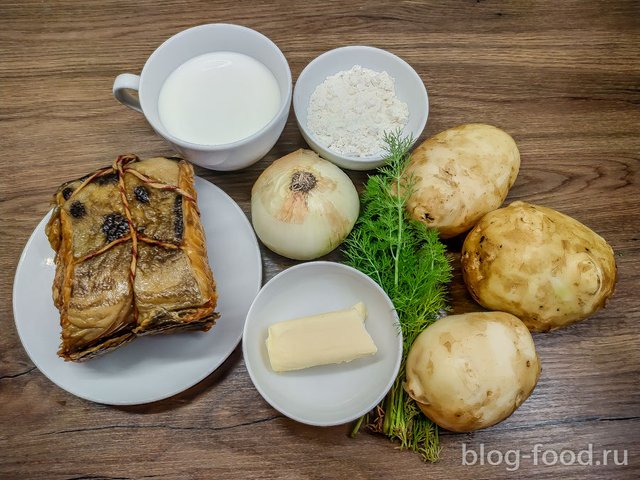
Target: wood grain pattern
562, 77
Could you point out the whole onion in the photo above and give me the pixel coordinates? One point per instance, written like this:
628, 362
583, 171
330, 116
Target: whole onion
302, 206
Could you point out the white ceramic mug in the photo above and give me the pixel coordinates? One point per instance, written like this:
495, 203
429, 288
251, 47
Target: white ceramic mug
197, 41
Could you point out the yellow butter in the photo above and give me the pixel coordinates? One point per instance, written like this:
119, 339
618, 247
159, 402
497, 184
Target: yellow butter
332, 337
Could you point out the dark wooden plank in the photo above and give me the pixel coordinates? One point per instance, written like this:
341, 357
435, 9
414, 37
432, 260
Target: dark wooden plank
562, 77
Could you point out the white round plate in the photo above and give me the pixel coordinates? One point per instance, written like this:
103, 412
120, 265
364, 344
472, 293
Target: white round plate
329, 394
154, 367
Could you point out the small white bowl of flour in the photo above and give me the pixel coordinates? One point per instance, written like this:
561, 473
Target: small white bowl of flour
348, 98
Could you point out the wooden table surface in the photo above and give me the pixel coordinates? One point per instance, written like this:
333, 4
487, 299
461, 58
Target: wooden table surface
562, 77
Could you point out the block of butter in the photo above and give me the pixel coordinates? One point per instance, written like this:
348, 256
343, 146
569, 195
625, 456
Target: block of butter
332, 337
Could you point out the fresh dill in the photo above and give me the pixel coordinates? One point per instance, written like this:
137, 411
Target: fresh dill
409, 262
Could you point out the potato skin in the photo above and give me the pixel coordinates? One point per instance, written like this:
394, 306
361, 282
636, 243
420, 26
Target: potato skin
545, 267
472, 371
461, 174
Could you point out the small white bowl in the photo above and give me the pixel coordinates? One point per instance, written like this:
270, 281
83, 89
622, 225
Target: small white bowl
329, 394
409, 89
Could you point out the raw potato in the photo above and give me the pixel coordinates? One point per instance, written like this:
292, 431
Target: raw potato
472, 371
538, 264
461, 174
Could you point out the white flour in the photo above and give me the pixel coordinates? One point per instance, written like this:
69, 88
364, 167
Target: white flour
350, 111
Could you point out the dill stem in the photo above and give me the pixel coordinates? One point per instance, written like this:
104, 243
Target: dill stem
400, 209
388, 406
357, 426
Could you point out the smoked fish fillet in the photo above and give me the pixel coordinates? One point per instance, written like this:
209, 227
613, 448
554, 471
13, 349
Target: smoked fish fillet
131, 256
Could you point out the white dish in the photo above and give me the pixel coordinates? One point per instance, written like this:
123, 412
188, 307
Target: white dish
409, 88
329, 394
155, 367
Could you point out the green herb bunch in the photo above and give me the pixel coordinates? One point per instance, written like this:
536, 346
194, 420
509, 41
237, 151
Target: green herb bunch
409, 262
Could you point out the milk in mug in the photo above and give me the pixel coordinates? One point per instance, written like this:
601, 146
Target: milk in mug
218, 98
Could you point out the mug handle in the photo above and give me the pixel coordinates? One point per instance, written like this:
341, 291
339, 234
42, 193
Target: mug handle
121, 85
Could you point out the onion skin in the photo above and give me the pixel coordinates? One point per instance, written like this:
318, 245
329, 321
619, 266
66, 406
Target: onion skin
302, 206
